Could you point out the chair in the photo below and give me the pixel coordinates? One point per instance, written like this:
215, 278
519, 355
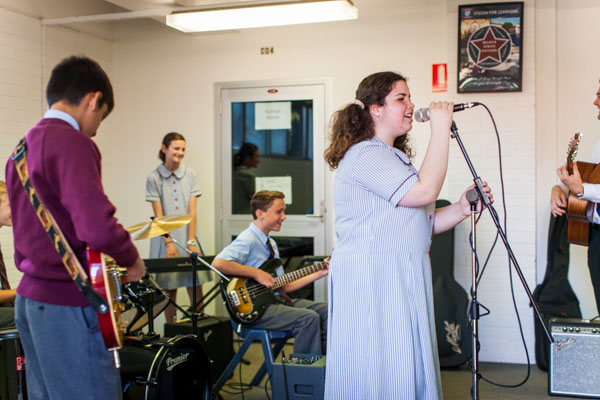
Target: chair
272, 344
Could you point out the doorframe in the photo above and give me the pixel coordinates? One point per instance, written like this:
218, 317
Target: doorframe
218, 111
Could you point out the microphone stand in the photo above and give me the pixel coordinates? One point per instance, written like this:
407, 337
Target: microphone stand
486, 201
194, 258
472, 196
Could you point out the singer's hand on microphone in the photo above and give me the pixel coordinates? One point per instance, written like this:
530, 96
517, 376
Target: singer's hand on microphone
465, 205
440, 116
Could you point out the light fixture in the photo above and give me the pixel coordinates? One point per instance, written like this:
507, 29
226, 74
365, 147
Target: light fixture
262, 15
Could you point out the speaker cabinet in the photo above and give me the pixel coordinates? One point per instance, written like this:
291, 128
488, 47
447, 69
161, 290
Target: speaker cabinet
302, 376
216, 336
12, 367
574, 358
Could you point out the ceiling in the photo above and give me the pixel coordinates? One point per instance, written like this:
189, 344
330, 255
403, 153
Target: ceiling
128, 10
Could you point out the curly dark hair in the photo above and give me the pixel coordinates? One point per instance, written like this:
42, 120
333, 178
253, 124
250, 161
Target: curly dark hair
353, 124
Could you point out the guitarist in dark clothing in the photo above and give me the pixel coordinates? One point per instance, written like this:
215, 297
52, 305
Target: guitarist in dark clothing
305, 319
585, 191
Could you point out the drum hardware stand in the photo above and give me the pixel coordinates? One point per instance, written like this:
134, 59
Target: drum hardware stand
148, 308
486, 201
194, 258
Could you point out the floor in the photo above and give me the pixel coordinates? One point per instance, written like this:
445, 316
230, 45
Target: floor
456, 383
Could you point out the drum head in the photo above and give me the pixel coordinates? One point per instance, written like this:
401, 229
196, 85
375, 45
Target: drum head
181, 370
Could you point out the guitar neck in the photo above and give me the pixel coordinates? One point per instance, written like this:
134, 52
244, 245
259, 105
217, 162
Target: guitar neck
290, 277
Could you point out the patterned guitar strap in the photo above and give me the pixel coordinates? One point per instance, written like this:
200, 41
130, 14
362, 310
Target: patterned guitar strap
69, 260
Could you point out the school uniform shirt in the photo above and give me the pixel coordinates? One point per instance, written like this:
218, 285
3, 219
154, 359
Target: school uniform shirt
591, 192
250, 248
173, 190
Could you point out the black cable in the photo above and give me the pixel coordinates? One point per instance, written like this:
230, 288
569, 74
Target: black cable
240, 371
266, 391
479, 274
285, 386
239, 388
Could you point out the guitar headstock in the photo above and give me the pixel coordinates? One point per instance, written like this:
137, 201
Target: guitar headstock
572, 151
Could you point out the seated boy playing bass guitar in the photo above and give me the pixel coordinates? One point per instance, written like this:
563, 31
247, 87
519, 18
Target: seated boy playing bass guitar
305, 319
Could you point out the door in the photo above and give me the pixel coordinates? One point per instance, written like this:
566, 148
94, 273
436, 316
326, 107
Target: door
272, 138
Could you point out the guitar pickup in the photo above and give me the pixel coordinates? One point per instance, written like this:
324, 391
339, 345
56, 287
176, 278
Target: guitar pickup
243, 295
233, 298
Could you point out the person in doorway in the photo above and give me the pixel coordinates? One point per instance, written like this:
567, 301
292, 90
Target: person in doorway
66, 355
243, 179
305, 319
585, 191
384, 219
173, 188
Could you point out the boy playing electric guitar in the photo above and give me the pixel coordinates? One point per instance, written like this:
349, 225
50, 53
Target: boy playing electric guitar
305, 319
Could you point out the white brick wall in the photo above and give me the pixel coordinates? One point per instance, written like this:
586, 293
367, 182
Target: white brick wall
515, 117
22, 99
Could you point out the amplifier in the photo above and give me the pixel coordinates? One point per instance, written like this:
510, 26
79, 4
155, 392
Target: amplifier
216, 336
574, 368
303, 375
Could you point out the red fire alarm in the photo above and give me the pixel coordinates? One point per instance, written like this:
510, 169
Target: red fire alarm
439, 78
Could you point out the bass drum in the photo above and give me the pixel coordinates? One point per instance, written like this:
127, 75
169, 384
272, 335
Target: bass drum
176, 368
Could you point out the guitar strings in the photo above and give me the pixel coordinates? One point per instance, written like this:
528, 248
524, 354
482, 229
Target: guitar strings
259, 288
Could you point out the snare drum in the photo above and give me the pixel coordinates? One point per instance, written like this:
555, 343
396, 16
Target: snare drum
12, 372
176, 368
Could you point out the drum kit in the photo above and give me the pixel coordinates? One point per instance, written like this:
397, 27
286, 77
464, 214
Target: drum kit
151, 367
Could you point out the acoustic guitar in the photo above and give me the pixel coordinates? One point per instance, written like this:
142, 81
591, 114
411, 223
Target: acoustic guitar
105, 277
246, 299
578, 228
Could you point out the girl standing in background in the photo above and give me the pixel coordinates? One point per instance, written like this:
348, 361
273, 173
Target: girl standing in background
173, 188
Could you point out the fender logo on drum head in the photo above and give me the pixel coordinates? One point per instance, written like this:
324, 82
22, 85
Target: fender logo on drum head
173, 362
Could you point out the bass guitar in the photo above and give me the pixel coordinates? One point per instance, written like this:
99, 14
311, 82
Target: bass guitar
246, 299
105, 278
578, 227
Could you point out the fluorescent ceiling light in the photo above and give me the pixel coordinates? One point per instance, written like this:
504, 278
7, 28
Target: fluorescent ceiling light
302, 12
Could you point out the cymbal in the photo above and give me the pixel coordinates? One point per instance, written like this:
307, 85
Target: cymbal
158, 226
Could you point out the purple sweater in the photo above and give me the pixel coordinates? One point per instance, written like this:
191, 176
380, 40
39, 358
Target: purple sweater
64, 166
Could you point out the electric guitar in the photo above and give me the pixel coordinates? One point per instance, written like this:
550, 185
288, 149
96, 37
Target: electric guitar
246, 299
578, 228
105, 278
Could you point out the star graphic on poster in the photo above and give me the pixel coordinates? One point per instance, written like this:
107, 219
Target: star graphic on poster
489, 46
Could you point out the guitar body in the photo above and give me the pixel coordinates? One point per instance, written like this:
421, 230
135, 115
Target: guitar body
105, 278
247, 300
578, 228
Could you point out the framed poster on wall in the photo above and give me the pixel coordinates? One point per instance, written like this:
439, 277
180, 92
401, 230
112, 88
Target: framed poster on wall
490, 50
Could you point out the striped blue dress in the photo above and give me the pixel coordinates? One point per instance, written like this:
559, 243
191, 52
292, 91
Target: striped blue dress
381, 340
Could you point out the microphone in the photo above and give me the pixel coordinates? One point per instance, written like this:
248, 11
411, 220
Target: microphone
422, 114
